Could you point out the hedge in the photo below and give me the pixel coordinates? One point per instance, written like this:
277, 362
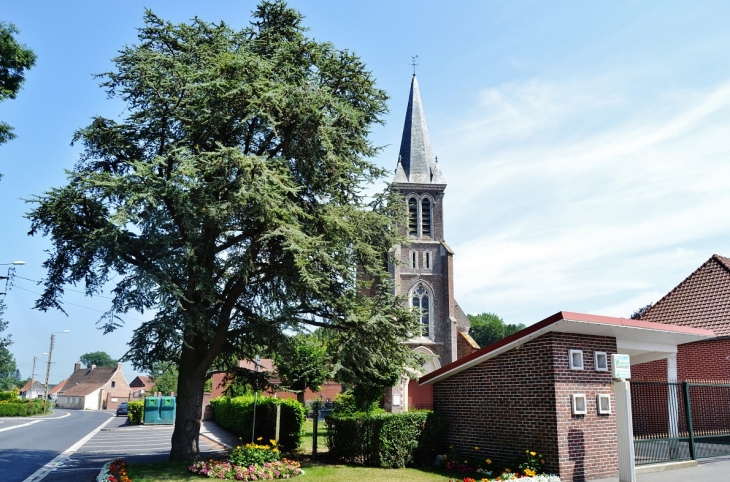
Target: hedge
21, 408
236, 415
9, 396
391, 440
135, 410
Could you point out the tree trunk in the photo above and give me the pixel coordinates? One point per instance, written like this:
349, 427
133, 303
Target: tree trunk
300, 397
190, 385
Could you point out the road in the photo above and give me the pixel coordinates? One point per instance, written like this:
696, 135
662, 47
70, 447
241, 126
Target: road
72, 445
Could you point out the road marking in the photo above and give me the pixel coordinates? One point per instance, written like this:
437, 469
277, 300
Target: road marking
19, 426
51, 418
41, 473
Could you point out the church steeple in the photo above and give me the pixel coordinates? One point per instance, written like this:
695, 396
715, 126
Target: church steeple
416, 162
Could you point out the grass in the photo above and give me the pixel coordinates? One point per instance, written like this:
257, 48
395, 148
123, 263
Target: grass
178, 471
308, 437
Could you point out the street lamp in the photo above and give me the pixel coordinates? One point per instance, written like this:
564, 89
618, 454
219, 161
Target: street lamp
48, 368
7, 278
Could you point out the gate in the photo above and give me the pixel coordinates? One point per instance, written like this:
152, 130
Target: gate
679, 421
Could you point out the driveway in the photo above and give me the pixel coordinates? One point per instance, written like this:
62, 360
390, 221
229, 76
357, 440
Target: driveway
715, 469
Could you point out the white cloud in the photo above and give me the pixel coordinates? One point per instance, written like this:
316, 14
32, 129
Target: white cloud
549, 210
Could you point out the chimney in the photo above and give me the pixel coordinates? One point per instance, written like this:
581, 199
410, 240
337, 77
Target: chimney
93, 366
77, 366
119, 366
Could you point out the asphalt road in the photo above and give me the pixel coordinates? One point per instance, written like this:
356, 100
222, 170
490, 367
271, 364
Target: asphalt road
37, 442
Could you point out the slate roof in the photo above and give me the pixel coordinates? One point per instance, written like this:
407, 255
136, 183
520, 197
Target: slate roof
416, 162
85, 380
702, 300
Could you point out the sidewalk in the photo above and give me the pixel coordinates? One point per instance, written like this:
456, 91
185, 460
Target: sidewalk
707, 469
212, 431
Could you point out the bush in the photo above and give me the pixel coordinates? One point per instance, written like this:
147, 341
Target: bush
21, 408
384, 439
135, 410
254, 454
236, 415
8, 396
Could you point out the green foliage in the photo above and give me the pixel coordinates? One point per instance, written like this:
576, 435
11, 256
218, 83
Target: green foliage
254, 454
21, 408
236, 415
98, 358
345, 403
638, 313
391, 440
9, 395
487, 328
301, 363
15, 59
230, 203
165, 376
135, 412
8, 369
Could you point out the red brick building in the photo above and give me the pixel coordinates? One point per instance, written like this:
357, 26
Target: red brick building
548, 388
702, 300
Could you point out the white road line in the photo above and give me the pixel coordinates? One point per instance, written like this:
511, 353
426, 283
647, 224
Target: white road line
41, 473
19, 426
52, 418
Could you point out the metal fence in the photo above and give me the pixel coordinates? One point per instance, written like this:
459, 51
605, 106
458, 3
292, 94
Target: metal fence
680, 421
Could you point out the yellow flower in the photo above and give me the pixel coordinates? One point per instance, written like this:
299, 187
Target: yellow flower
273, 442
533, 453
530, 472
489, 461
260, 438
542, 461
507, 471
476, 448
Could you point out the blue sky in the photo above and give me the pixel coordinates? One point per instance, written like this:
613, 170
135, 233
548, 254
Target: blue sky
585, 144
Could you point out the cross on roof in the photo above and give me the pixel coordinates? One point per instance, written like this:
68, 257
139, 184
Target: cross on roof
413, 63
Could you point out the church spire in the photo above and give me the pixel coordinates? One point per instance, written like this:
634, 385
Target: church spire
416, 163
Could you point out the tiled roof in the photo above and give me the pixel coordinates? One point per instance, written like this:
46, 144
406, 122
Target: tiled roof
58, 387
27, 386
702, 300
85, 380
142, 381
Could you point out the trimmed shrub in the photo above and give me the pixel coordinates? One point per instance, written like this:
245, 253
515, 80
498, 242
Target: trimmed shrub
135, 410
391, 440
9, 396
21, 408
236, 415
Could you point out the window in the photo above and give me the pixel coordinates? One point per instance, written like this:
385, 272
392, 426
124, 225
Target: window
427, 260
414, 260
114, 384
576, 359
421, 300
426, 218
412, 217
579, 404
600, 361
604, 403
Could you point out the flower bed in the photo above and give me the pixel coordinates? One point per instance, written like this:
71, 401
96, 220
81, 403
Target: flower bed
529, 469
218, 469
535, 478
114, 471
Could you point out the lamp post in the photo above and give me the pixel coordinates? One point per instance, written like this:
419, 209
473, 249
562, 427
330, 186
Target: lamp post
48, 368
7, 278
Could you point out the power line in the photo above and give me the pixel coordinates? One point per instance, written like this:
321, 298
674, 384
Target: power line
66, 289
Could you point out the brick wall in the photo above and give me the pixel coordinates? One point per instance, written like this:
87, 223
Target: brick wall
522, 400
702, 360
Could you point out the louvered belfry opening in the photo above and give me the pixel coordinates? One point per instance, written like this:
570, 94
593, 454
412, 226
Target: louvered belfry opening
412, 217
426, 218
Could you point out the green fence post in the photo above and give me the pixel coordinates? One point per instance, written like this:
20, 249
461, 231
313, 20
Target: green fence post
688, 410
315, 419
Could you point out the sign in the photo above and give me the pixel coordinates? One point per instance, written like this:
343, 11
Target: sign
114, 399
620, 366
396, 400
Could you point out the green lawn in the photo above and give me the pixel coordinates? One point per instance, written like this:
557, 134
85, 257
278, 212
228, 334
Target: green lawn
178, 471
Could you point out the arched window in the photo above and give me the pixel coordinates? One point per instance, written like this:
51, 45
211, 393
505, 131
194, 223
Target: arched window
412, 217
426, 217
421, 301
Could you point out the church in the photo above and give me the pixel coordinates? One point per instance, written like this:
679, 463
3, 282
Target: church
424, 274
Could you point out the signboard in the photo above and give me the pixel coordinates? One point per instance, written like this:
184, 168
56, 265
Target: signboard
620, 366
396, 400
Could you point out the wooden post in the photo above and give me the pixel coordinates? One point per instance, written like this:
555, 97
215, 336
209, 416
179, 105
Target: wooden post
278, 421
315, 419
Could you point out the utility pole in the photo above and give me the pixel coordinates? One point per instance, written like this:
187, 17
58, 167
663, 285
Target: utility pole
32, 374
48, 368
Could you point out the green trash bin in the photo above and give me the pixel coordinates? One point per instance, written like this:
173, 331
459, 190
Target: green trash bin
152, 411
167, 410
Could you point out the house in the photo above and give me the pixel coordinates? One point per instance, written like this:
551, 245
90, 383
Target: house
53, 392
702, 300
32, 389
94, 388
141, 385
548, 388
425, 274
329, 389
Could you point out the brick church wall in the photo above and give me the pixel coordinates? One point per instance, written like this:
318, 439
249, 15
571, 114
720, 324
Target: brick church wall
521, 400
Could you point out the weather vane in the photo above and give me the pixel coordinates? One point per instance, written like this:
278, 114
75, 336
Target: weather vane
413, 63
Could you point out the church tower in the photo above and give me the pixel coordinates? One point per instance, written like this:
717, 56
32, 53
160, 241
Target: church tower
425, 272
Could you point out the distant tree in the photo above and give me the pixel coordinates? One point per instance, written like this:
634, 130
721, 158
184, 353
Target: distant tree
8, 368
15, 59
487, 328
98, 358
301, 363
165, 377
637, 314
